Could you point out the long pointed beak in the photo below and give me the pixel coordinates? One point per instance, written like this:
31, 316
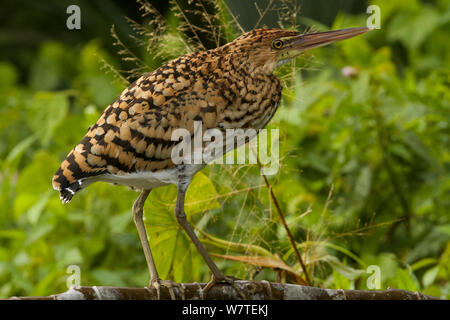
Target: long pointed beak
313, 40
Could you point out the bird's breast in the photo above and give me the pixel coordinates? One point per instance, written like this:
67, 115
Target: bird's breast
256, 99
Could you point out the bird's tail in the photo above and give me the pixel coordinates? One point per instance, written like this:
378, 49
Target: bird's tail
74, 174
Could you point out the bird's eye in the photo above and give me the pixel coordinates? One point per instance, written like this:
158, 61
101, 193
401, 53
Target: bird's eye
277, 44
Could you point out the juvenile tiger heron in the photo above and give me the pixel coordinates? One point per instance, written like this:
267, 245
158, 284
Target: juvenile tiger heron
230, 87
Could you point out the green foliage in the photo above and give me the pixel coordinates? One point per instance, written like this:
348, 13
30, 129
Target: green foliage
364, 177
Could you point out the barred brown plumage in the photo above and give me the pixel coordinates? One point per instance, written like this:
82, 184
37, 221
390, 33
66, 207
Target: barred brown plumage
232, 86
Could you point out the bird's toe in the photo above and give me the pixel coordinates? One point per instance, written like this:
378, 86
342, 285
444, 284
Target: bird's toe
169, 285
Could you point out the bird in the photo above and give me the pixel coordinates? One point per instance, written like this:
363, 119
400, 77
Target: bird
229, 87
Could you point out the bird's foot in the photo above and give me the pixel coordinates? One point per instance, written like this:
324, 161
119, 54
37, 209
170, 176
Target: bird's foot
224, 279
169, 284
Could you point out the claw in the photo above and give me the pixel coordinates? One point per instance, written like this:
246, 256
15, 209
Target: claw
227, 279
169, 284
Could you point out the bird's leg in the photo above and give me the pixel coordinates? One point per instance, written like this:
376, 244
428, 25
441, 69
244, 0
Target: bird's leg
217, 275
155, 281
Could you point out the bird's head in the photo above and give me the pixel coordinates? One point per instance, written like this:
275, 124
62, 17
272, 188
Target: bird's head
266, 49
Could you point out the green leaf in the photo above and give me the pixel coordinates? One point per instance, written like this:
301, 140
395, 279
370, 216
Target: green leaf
45, 112
422, 22
201, 195
35, 211
423, 263
340, 281
429, 276
347, 271
16, 153
406, 280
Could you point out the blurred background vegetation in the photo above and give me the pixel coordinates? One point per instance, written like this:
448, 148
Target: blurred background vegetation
364, 148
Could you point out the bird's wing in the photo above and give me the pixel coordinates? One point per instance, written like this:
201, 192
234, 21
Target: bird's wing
134, 133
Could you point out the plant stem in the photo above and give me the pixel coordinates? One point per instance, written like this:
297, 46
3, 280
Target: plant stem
283, 221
